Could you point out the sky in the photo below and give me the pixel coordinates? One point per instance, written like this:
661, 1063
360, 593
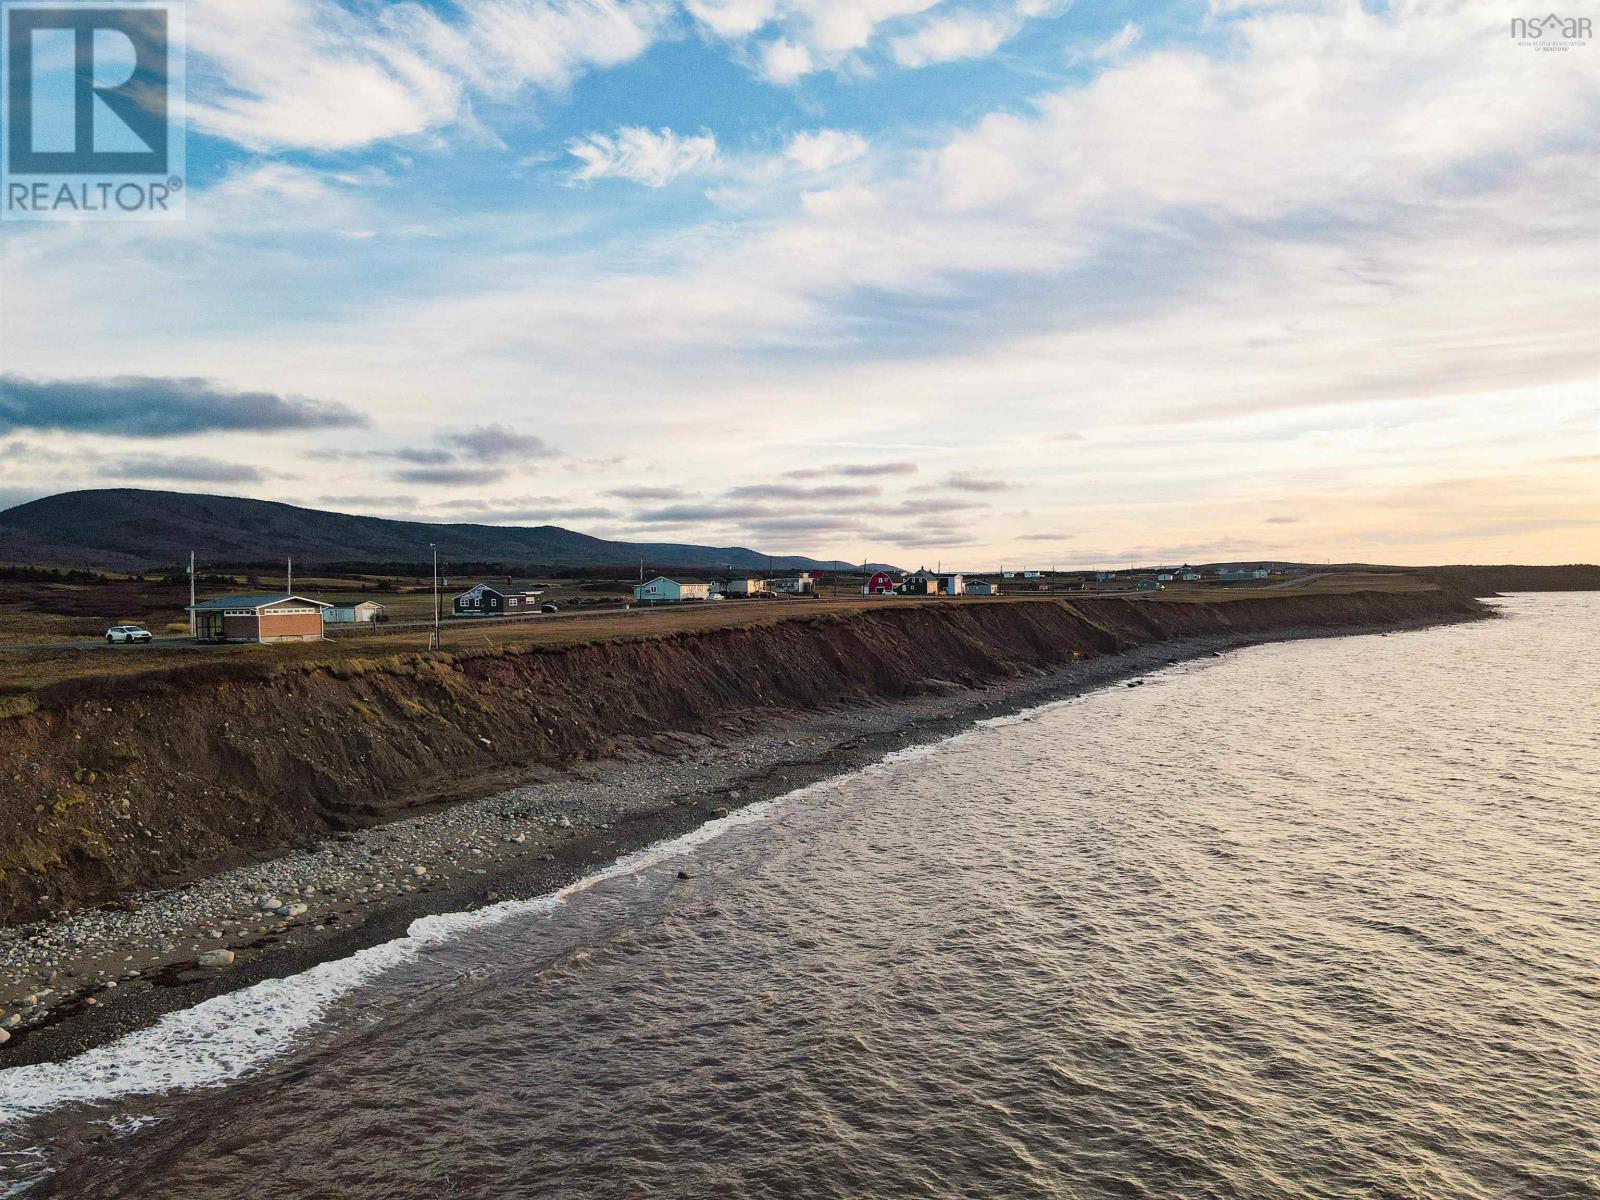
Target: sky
986, 283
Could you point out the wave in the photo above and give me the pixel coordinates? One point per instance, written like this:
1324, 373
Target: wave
222, 1039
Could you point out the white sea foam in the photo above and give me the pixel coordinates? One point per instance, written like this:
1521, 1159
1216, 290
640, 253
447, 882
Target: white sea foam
225, 1037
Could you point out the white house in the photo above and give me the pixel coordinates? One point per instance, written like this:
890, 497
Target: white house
796, 585
662, 590
742, 585
952, 585
1032, 574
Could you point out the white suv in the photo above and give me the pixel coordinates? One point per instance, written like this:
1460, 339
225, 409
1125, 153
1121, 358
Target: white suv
128, 633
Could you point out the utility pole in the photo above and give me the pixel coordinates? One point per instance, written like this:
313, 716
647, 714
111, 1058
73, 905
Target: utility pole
290, 590
436, 643
191, 595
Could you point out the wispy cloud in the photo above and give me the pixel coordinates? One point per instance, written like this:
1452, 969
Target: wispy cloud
824, 149
1117, 44
653, 158
315, 74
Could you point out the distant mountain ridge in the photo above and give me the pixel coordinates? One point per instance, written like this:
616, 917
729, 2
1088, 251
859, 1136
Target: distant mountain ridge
135, 528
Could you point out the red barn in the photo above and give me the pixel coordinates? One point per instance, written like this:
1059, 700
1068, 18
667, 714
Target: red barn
879, 585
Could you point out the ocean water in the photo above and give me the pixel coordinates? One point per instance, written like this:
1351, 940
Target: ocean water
1314, 919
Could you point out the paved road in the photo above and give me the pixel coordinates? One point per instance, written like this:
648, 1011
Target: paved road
160, 643
184, 642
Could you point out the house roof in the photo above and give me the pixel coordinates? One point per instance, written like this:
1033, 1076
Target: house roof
254, 600
679, 579
505, 589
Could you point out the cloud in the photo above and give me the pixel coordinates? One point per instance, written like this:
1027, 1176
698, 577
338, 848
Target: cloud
937, 504
785, 62
798, 524
966, 481
138, 406
783, 491
417, 454
946, 39
688, 514
1045, 537
854, 470
950, 37
636, 153
1117, 44
647, 493
187, 468
824, 149
444, 476
313, 74
524, 516
496, 443
1282, 521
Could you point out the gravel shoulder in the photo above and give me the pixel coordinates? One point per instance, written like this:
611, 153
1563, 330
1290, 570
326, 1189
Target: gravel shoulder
77, 981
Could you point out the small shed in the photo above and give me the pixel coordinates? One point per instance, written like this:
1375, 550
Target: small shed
364, 613
274, 617
1148, 585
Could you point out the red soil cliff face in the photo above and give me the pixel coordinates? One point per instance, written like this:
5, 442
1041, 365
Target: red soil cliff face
157, 779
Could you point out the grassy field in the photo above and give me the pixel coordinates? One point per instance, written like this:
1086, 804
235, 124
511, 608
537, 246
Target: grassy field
58, 611
25, 671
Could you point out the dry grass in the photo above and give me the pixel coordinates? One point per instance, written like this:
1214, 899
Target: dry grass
1322, 585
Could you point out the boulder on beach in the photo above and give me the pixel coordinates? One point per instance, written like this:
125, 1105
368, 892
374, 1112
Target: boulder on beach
215, 958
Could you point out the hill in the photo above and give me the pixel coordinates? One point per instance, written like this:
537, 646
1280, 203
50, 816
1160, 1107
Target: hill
133, 529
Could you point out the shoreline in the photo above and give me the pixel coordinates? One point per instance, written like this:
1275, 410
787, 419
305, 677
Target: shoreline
120, 968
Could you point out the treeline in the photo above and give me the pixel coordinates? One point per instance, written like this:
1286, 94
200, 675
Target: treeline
18, 574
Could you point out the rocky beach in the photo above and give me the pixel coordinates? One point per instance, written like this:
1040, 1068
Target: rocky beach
79, 979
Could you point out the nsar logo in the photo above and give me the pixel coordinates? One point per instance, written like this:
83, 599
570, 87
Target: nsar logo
1552, 32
